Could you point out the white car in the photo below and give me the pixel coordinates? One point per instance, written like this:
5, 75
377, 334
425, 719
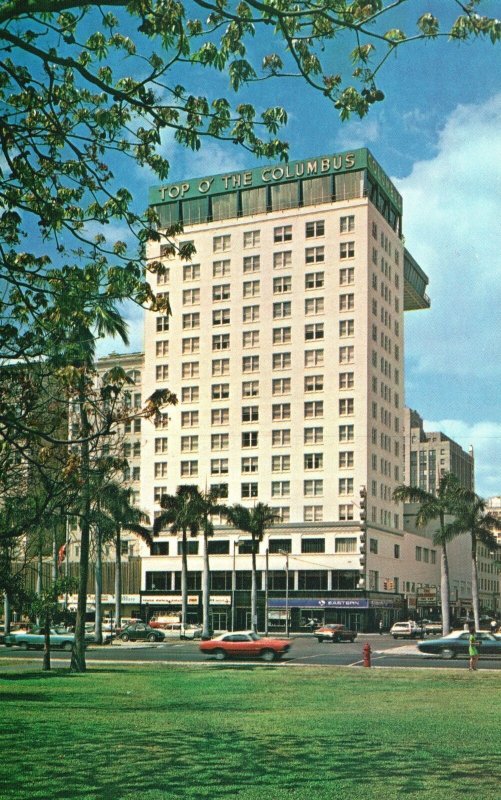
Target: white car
406, 630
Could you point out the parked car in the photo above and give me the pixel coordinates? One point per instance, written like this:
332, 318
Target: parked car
139, 631
430, 627
335, 633
457, 643
35, 639
406, 630
245, 644
90, 633
176, 630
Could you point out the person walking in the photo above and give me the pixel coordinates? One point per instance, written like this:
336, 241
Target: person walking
473, 649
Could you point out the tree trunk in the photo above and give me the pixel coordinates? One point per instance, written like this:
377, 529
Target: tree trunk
98, 589
78, 652
184, 580
54, 554
46, 644
7, 612
206, 632
444, 590
474, 582
118, 578
39, 579
254, 587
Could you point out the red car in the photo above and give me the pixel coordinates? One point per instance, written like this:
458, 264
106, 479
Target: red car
245, 644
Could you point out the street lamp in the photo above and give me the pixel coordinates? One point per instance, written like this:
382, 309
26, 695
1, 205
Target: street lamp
286, 554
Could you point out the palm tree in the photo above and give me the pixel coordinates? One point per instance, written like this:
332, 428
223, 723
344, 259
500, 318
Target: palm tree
254, 521
182, 512
474, 520
437, 507
209, 507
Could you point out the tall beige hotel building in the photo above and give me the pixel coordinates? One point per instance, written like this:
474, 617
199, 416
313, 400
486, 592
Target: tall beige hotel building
285, 347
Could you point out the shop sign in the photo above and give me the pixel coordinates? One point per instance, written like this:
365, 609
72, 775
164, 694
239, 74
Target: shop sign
220, 600
318, 602
169, 599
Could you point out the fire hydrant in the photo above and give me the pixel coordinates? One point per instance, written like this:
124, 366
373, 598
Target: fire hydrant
367, 654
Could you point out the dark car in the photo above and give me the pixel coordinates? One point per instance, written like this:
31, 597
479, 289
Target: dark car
335, 633
139, 631
457, 643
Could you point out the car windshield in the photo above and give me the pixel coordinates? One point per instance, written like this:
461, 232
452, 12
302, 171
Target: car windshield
254, 636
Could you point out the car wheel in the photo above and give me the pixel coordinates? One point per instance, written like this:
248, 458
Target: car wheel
152, 637
395, 637
219, 655
335, 640
268, 655
67, 646
23, 646
320, 639
125, 637
447, 653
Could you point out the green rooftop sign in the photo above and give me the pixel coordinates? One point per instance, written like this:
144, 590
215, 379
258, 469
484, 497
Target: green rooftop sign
339, 163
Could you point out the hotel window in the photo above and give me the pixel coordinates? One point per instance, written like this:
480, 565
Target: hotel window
221, 269
313, 305
313, 358
191, 272
373, 546
250, 313
249, 464
250, 339
280, 488
164, 277
162, 421
250, 389
345, 514
312, 579
282, 260
347, 354
161, 444
313, 461
346, 433
314, 330
346, 224
280, 463
250, 439
162, 347
281, 386
158, 493
219, 441
276, 545
251, 264
251, 288
346, 380
250, 363
313, 488
282, 285
220, 416
281, 335
312, 545
189, 419
345, 486
314, 280
160, 469
347, 250
189, 469
314, 408
346, 406
220, 391
191, 321
190, 394
219, 466
220, 366
314, 229
221, 292
221, 316
281, 438
280, 411
162, 372
281, 360
314, 255
346, 327
314, 383
189, 444
313, 435
282, 234
313, 514
281, 310
346, 459
250, 413
251, 238
221, 243
191, 297
346, 302
191, 345
396, 550
162, 324
347, 276
221, 341
248, 490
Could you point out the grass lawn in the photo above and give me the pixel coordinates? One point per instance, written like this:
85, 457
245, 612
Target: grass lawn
250, 733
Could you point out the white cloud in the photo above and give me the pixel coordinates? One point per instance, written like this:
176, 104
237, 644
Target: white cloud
451, 225
485, 438
358, 133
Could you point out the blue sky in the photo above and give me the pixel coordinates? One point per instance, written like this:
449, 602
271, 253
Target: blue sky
438, 135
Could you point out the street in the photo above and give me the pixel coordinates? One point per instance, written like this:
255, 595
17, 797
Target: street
305, 650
